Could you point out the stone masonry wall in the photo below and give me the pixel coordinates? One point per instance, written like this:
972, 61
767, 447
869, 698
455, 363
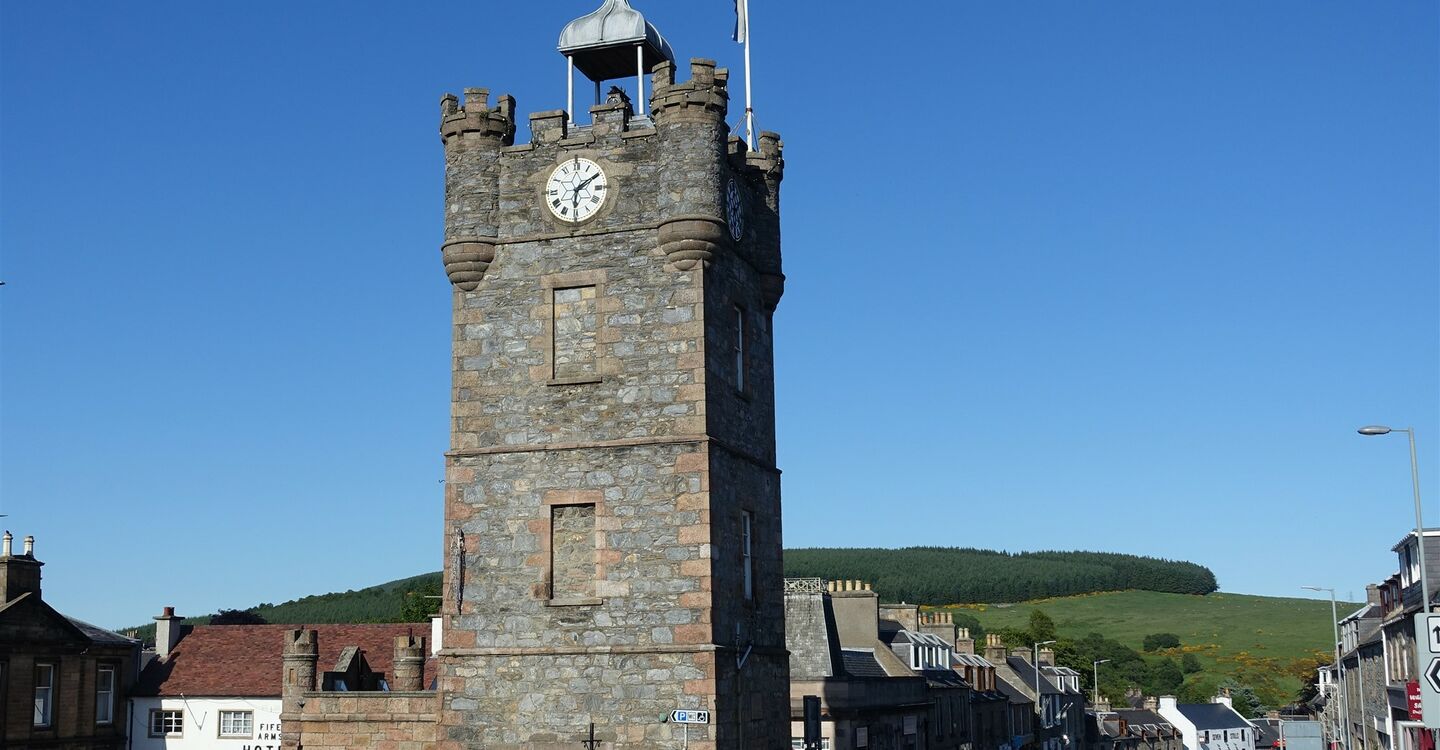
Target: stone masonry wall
383, 721
622, 452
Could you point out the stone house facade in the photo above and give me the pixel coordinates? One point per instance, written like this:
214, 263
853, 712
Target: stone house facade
63, 683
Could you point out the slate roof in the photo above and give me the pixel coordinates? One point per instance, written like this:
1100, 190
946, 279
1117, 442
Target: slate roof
1144, 722
1267, 732
971, 660
1027, 673
101, 635
1015, 696
1212, 716
244, 660
861, 663
811, 637
944, 678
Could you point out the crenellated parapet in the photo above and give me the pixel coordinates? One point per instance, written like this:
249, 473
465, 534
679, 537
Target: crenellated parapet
476, 120
473, 134
705, 97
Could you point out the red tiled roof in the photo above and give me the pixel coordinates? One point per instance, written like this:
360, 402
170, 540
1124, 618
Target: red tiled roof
245, 660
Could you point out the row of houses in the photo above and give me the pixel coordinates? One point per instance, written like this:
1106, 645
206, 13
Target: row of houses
885, 676
889, 676
1364, 699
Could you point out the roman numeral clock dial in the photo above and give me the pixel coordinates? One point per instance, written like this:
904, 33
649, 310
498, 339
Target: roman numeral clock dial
576, 190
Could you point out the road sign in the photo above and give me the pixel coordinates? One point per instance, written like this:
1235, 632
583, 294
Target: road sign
689, 716
1427, 664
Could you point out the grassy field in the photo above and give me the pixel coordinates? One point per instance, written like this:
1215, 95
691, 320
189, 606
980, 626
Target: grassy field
1252, 638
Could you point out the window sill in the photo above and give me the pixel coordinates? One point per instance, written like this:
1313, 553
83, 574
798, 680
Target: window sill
588, 601
577, 380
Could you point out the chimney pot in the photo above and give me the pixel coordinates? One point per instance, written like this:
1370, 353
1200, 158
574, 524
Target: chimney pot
867, 587
29, 544
167, 612
5, 544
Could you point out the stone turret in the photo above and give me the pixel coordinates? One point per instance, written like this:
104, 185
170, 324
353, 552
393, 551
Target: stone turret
301, 659
409, 670
766, 168
690, 119
473, 134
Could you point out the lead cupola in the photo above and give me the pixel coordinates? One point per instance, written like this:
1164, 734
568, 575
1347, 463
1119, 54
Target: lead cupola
613, 42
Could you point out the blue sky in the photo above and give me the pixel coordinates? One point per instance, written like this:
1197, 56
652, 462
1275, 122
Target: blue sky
1115, 275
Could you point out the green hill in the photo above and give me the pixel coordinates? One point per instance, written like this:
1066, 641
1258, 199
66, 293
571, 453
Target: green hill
951, 575
1270, 644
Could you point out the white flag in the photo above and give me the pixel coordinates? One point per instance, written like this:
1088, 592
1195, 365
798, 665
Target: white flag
742, 21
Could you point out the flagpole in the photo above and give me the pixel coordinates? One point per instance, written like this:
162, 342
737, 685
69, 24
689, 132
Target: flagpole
749, 110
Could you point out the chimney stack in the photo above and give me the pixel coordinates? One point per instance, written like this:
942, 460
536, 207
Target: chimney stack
964, 644
1047, 657
857, 614
939, 625
1372, 594
167, 632
994, 649
1167, 703
19, 574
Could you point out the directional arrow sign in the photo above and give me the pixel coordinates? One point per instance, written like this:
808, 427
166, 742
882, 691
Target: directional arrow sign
1427, 652
692, 716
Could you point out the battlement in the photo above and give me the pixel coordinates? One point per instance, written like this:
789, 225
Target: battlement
476, 118
302, 643
705, 97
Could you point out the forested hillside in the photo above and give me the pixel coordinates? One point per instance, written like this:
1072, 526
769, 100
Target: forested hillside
950, 575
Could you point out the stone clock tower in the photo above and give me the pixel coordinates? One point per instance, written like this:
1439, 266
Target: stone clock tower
613, 542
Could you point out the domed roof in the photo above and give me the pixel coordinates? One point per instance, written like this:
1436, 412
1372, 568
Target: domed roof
602, 43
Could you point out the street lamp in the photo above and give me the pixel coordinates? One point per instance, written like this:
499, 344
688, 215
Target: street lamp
1096, 666
1039, 705
1339, 668
1374, 430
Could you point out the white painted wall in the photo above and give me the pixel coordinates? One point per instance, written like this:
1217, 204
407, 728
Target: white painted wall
202, 724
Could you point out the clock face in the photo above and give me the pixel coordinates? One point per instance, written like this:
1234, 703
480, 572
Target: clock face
576, 190
734, 211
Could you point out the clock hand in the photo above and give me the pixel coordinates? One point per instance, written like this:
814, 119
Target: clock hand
582, 185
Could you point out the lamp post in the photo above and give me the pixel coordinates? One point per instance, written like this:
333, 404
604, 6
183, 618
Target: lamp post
1340, 733
1096, 666
1374, 430
1039, 704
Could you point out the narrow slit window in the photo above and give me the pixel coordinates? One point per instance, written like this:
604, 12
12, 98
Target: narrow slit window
572, 552
747, 560
739, 349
